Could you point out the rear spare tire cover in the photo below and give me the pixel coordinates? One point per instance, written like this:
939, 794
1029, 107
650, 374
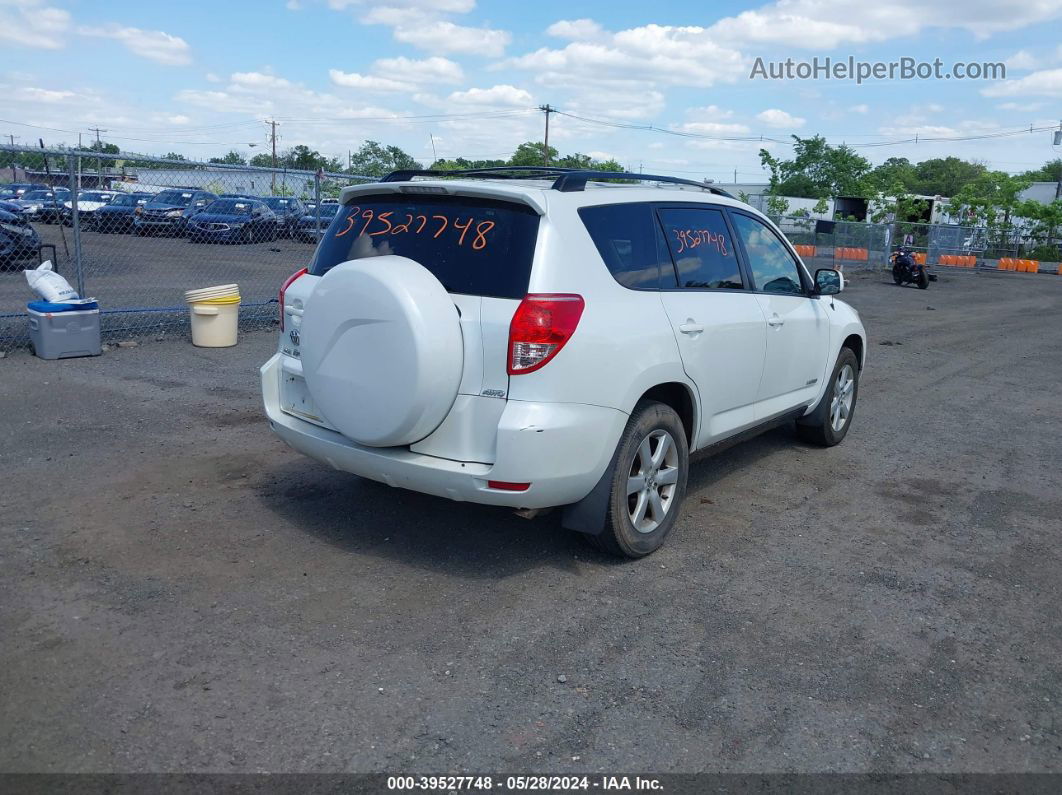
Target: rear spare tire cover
382, 351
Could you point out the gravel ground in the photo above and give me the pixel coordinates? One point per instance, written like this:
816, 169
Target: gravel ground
181, 592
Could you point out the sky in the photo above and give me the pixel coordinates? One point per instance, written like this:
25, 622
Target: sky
663, 87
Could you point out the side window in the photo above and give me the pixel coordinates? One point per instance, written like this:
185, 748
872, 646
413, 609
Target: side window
628, 239
773, 268
701, 248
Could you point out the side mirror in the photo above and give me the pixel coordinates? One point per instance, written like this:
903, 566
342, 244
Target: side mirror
828, 281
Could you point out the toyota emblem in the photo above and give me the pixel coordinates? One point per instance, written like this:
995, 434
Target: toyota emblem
294, 336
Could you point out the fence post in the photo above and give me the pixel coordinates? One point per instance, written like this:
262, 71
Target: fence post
71, 163
317, 202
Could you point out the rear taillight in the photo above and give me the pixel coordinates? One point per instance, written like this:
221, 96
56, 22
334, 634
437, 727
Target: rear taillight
283, 288
543, 323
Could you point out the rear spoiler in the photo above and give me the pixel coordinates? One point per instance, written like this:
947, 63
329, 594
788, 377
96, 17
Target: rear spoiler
347, 195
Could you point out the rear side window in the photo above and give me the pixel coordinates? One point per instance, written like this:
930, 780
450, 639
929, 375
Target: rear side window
701, 248
473, 246
629, 241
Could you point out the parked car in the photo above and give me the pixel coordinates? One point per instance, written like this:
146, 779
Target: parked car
233, 221
168, 212
288, 210
18, 240
534, 347
15, 190
118, 215
45, 206
307, 231
88, 202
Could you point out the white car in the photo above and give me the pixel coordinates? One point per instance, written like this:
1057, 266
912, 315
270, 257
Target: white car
532, 345
88, 201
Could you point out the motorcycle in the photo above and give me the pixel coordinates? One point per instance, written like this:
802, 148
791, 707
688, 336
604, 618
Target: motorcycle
906, 270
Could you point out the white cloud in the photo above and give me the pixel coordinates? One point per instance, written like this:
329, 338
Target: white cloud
827, 24
1022, 106
1047, 83
576, 29
423, 24
42, 94
441, 36
368, 82
713, 128
646, 56
1022, 59
155, 45
427, 70
33, 24
861, 108
709, 112
493, 96
774, 117
179, 118
396, 75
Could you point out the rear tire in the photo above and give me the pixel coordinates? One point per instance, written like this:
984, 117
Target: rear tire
648, 483
828, 424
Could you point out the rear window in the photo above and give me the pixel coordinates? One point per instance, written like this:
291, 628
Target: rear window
473, 246
173, 197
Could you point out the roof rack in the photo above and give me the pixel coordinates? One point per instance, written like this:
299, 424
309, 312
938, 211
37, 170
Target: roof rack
566, 180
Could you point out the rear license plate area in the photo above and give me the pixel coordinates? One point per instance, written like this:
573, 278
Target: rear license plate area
295, 399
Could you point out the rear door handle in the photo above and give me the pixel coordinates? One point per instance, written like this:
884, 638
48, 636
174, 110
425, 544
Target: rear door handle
775, 321
689, 327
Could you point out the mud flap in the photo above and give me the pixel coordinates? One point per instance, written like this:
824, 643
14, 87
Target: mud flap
588, 515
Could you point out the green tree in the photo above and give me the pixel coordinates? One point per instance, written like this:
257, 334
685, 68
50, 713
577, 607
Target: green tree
532, 153
818, 170
1045, 219
233, 158
894, 171
104, 148
459, 163
990, 200
944, 176
1048, 172
376, 160
777, 206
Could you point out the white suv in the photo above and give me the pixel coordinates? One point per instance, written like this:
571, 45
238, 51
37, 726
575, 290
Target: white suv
537, 344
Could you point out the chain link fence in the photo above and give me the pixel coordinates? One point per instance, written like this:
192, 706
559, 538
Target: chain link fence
869, 246
136, 232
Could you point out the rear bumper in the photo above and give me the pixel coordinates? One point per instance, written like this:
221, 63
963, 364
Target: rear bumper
561, 449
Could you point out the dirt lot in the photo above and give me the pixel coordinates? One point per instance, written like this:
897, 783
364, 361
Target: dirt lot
179, 591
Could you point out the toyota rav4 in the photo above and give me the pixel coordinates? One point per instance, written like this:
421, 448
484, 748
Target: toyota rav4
507, 341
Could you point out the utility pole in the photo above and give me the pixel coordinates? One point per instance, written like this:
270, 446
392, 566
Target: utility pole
1058, 142
735, 176
545, 150
273, 141
99, 162
14, 177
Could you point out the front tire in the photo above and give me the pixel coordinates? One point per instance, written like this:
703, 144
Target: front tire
828, 424
648, 482
923, 280
897, 274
